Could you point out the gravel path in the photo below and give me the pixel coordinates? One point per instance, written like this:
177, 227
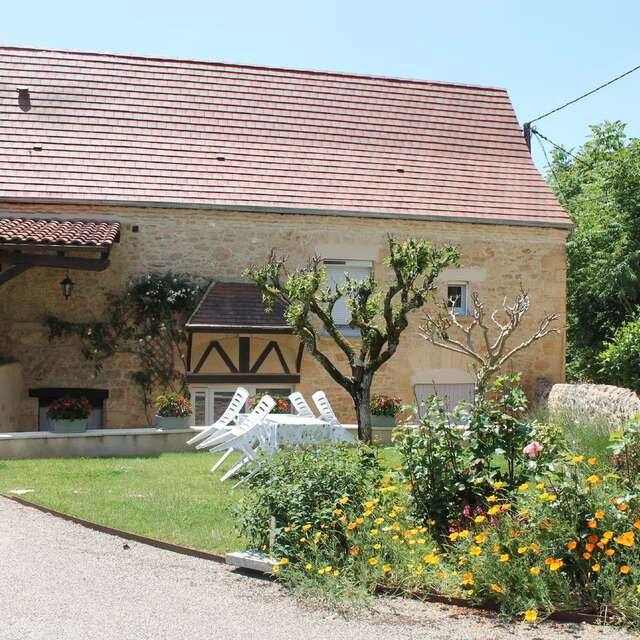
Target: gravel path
59, 580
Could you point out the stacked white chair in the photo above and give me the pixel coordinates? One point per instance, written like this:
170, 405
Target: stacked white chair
244, 437
328, 415
230, 415
300, 405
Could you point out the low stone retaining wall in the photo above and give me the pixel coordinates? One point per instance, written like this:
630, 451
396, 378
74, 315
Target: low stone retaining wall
597, 400
96, 443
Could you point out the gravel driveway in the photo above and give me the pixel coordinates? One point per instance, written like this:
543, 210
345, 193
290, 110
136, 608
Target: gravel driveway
59, 580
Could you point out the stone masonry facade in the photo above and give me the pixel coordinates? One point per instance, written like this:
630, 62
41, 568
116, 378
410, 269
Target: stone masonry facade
495, 259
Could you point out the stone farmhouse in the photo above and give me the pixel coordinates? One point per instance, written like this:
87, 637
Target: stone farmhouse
113, 166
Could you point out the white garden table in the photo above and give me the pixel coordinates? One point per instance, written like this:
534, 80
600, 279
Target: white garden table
286, 429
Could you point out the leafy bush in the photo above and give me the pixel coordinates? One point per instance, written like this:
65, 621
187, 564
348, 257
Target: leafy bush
625, 449
450, 456
620, 358
283, 404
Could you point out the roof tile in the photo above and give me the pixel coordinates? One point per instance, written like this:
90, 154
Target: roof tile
127, 129
81, 233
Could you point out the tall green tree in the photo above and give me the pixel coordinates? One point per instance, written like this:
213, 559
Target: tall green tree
599, 186
379, 313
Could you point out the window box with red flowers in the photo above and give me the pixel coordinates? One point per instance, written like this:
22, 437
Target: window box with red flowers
69, 414
384, 410
174, 411
283, 404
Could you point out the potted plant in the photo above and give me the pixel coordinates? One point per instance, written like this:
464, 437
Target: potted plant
384, 410
69, 414
174, 411
283, 404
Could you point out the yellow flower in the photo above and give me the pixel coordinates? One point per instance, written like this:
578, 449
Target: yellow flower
609, 552
534, 570
636, 524
353, 551
377, 546
284, 561
373, 561
430, 558
303, 539
592, 524
572, 545
386, 568
352, 525
480, 538
306, 527
475, 551
374, 532
308, 566
599, 515
586, 555
479, 519
336, 573
555, 565
623, 507
577, 458
594, 479
493, 510
367, 513
595, 567
338, 512
530, 615
467, 578
344, 500
379, 520
540, 485
492, 498
592, 460
496, 588
498, 485
464, 533
626, 539
534, 547
287, 529
625, 569
506, 506
607, 535
275, 568
522, 550
638, 589
453, 536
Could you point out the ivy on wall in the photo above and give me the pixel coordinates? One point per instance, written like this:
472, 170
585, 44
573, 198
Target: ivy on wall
145, 321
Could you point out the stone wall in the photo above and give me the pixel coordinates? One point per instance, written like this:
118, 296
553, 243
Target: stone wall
597, 400
219, 245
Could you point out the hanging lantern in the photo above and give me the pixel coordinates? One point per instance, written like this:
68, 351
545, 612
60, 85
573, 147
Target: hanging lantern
67, 287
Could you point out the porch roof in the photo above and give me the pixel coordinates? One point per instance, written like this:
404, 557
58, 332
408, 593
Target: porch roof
236, 307
94, 234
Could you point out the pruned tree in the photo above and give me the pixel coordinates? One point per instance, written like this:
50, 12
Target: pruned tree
489, 354
379, 315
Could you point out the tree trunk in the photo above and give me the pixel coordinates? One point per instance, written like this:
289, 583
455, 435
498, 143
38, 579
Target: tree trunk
361, 401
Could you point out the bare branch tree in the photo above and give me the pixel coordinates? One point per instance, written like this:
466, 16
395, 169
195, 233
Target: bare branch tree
474, 336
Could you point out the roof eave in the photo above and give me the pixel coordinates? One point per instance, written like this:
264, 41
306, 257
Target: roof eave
429, 217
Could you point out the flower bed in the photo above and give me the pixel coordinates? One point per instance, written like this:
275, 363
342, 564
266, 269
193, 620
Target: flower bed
495, 511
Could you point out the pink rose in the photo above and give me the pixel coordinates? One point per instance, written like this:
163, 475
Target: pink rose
533, 449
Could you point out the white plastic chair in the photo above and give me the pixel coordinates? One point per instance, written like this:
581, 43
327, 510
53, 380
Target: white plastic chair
230, 415
327, 414
246, 438
300, 405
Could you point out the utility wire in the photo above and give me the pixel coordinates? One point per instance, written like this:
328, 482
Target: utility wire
602, 86
557, 146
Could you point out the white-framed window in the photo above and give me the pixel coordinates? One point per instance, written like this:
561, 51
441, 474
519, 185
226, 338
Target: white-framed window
210, 401
335, 269
457, 297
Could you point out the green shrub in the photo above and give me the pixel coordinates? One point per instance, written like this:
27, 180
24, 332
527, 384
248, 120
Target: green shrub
620, 358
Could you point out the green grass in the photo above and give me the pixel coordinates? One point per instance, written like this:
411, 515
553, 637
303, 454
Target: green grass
172, 497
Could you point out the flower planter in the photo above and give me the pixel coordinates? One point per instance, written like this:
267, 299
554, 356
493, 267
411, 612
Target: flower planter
172, 422
69, 426
383, 422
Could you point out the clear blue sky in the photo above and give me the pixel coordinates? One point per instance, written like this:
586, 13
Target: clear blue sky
543, 52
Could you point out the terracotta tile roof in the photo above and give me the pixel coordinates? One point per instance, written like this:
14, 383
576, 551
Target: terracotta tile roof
81, 233
235, 306
105, 128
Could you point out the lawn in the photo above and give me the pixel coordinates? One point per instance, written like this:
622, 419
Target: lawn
172, 497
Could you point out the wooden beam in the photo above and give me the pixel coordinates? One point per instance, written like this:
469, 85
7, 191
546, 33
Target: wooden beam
12, 272
236, 378
61, 262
